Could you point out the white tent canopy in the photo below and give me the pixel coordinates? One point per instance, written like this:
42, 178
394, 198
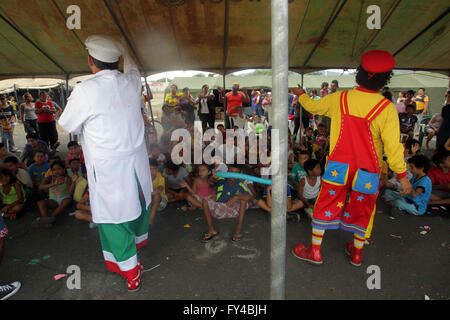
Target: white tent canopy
7, 86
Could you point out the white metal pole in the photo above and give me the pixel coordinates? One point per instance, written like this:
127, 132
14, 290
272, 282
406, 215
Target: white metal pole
280, 66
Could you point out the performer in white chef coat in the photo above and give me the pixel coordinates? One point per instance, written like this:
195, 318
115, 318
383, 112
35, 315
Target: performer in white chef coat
106, 111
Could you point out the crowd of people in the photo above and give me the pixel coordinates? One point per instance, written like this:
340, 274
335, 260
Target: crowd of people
52, 183
41, 178
201, 189
37, 117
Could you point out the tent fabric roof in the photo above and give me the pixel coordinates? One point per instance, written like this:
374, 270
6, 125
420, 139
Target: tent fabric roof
7, 86
410, 80
220, 36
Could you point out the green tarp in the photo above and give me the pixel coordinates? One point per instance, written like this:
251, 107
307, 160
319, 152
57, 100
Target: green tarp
435, 84
220, 36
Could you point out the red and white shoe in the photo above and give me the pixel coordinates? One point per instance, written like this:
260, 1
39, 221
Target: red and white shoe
354, 253
311, 253
134, 278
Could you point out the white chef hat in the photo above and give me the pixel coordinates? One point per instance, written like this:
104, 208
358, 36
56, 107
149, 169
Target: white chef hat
103, 48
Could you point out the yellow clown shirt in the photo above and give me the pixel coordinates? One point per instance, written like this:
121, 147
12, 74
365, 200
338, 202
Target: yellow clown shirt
385, 128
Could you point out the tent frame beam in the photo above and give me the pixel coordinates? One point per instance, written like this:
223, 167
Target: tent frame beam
442, 16
62, 76
324, 32
23, 35
130, 46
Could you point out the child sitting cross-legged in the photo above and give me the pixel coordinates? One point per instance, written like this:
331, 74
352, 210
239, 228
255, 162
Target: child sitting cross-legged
175, 175
440, 179
11, 194
309, 186
202, 188
298, 171
61, 188
415, 203
231, 201
83, 212
159, 198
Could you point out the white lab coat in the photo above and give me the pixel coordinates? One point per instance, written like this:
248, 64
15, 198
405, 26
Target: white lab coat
106, 111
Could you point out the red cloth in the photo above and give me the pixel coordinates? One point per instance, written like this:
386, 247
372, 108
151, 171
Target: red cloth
438, 177
45, 117
233, 101
356, 151
377, 61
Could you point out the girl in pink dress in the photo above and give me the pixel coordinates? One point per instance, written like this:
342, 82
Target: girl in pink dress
202, 188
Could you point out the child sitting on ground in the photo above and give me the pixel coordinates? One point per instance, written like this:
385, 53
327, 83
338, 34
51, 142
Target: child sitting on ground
12, 164
159, 198
38, 169
74, 167
218, 166
408, 121
75, 152
307, 140
11, 194
291, 205
321, 141
33, 145
175, 175
440, 179
83, 212
60, 188
298, 173
415, 203
231, 201
202, 188
155, 153
309, 186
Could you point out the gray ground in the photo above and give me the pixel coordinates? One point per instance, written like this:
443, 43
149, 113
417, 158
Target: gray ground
411, 267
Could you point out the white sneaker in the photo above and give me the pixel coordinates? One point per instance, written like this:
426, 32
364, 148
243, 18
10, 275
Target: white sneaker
9, 290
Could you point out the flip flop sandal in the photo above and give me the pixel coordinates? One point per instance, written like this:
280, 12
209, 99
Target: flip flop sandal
237, 237
205, 237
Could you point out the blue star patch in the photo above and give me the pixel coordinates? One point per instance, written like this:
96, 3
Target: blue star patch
328, 214
366, 182
347, 215
360, 198
332, 192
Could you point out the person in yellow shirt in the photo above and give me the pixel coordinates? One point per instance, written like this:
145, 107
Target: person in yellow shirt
173, 98
159, 197
363, 123
421, 104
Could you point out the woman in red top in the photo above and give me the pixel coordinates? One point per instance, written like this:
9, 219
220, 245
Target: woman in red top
45, 111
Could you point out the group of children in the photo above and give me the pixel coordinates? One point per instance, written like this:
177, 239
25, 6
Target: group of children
53, 184
201, 188
45, 180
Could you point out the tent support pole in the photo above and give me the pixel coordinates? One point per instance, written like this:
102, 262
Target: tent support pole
227, 123
63, 95
280, 68
15, 94
147, 88
301, 111
66, 96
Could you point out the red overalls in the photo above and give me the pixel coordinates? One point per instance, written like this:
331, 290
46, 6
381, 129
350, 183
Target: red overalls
352, 166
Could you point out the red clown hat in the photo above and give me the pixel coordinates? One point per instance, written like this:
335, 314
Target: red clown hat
377, 61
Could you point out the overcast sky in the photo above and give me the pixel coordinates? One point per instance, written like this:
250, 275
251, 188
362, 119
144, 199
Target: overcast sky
190, 73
